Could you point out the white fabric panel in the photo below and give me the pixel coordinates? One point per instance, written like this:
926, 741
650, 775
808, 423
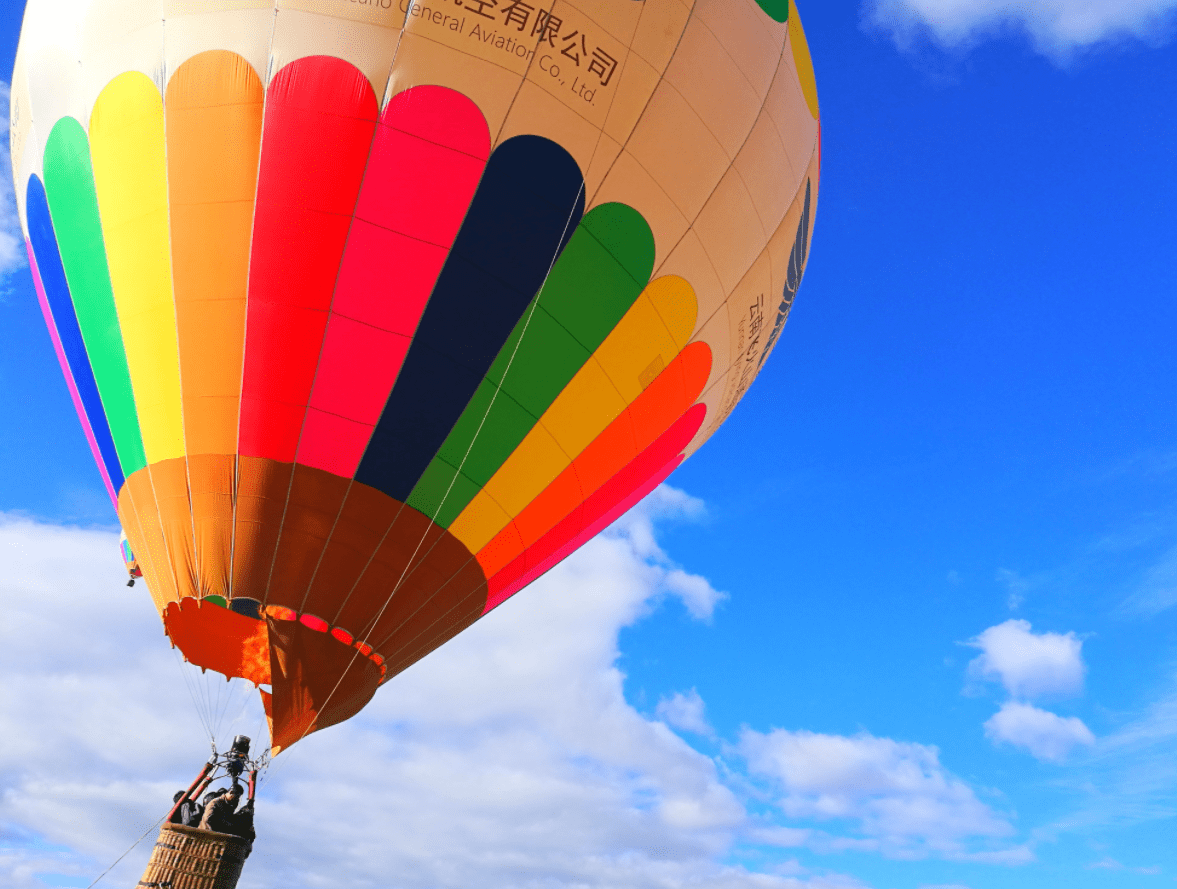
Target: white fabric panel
355, 38
25, 142
119, 36
195, 26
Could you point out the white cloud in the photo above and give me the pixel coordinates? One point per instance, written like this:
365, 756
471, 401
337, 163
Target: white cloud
1016, 585
1105, 864
686, 712
83, 710
12, 250
1111, 864
510, 758
1057, 27
1046, 735
1131, 770
695, 592
1157, 591
905, 803
1029, 664
1127, 778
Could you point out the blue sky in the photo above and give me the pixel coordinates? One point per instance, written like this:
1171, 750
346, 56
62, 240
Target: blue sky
934, 647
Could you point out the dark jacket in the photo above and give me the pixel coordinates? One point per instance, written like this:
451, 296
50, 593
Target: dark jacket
190, 813
241, 822
218, 814
242, 826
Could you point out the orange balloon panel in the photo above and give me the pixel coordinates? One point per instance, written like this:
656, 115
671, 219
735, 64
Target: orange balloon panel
374, 312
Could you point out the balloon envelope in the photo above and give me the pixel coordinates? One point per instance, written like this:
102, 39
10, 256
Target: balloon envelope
373, 312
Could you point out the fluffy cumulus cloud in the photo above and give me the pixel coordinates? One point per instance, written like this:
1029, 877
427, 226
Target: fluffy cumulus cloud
1029, 664
899, 796
1046, 735
1032, 665
1058, 28
12, 252
510, 758
685, 711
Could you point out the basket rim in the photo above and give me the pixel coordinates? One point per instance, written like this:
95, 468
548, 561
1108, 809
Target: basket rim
200, 833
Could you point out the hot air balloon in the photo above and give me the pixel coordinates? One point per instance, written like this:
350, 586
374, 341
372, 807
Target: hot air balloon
373, 311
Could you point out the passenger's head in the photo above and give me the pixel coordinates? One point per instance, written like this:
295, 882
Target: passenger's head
235, 793
179, 795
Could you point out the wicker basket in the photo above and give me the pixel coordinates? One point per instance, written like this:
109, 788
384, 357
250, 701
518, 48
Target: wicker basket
190, 858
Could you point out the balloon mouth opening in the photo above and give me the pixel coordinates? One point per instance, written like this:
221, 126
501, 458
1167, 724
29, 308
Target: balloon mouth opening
308, 677
239, 624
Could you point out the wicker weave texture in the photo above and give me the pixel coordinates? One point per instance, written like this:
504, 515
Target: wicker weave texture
188, 858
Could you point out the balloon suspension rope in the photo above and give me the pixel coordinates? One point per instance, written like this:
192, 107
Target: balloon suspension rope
146, 834
196, 703
441, 505
262, 764
200, 713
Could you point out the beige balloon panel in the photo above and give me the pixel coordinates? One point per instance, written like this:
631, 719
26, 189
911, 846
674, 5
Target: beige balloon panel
704, 127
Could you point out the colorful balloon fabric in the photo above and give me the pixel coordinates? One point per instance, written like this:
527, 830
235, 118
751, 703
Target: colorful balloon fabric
374, 310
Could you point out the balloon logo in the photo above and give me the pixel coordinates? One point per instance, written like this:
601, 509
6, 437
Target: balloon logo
373, 313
